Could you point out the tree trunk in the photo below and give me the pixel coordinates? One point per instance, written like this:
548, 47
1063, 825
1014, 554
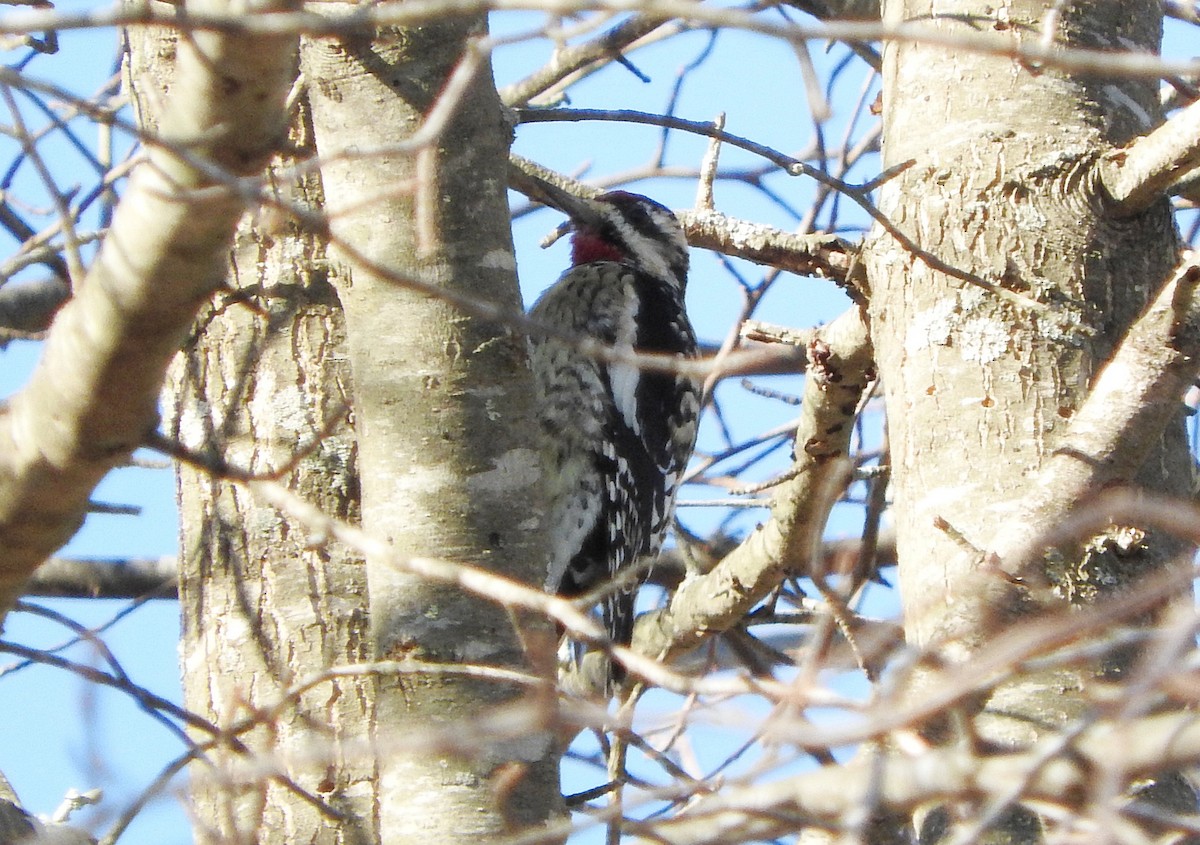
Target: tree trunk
980, 388
443, 417
446, 433
265, 378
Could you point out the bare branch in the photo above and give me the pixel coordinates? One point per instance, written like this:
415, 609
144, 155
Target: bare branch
28, 307
111, 579
1136, 394
717, 600
824, 256
421, 12
829, 795
93, 397
570, 60
1140, 174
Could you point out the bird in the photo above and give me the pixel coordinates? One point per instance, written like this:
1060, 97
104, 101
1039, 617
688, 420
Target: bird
616, 437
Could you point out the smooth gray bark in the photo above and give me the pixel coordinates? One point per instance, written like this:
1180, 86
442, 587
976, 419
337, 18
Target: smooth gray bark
443, 415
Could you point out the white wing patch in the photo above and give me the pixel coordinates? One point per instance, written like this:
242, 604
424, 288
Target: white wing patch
623, 378
624, 381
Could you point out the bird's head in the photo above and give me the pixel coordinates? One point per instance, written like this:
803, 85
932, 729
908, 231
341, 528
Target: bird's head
623, 227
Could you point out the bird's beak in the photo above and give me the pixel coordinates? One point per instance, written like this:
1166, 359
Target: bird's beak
583, 212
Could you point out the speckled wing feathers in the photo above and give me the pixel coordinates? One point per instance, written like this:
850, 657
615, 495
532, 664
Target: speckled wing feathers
617, 438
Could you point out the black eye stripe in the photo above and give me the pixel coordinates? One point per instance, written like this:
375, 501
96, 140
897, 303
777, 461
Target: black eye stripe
640, 231
643, 215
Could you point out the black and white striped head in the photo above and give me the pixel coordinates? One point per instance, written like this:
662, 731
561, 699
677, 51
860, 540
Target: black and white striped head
619, 226
632, 229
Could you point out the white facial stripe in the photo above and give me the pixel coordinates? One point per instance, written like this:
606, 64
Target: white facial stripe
648, 252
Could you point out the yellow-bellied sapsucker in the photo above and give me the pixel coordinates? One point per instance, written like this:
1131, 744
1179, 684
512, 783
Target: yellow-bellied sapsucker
617, 437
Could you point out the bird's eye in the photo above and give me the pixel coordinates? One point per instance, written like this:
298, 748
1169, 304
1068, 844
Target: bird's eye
642, 215
637, 214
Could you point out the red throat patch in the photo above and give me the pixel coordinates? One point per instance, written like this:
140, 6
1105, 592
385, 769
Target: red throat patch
587, 247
